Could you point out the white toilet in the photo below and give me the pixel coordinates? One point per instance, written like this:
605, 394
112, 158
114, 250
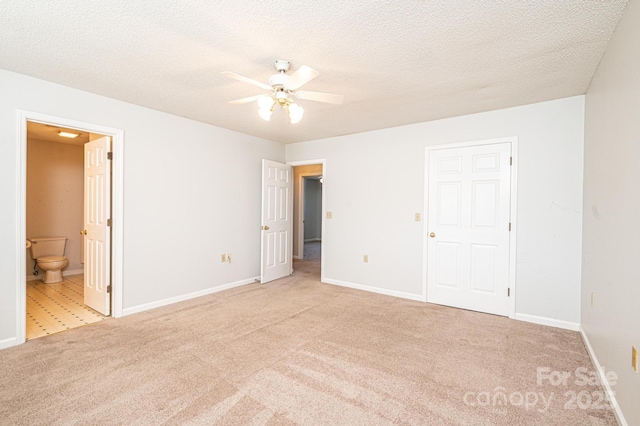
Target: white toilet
48, 252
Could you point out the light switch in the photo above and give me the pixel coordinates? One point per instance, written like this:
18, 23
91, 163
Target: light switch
365, 258
329, 215
417, 217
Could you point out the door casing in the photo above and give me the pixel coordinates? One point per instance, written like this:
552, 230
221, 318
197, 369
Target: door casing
513, 140
117, 211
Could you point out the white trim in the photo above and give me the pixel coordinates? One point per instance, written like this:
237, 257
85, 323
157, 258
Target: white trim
188, 296
324, 206
21, 231
573, 326
611, 395
513, 244
513, 236
64, 274
117, 211
378, 290
7, 343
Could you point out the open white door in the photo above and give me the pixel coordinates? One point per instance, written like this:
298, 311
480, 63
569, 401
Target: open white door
277, 223
469, 194
97, 213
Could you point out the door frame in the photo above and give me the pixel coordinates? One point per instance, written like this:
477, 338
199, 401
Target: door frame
513, 140
117, 211
301, 203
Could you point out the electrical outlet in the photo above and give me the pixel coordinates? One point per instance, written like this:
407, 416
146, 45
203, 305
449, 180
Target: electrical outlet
593, 298
365, 258
417, 217
329, 215
223, 257
229, 257
634, 358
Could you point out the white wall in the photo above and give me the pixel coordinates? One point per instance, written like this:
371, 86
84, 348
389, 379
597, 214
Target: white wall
376, 185
55, 194
191, 192
611, 236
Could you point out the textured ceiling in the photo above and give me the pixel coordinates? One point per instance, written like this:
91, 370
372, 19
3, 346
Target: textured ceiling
396, 62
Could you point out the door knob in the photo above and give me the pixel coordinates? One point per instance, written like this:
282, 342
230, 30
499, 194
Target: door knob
83, 232
265, 228
432, 235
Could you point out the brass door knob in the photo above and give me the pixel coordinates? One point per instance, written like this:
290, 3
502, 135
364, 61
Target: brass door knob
265, 228
432, 235
83, 232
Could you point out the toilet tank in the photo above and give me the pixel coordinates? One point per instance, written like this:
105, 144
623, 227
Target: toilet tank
47, 246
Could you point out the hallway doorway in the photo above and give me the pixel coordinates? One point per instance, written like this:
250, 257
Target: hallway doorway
308, 215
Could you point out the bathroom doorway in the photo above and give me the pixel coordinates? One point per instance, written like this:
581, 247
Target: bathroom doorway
52, 180
56, 208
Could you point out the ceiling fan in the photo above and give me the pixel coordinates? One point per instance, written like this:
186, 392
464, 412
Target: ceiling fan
282, 88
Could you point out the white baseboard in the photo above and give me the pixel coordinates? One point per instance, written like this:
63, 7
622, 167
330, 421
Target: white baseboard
7, 343
181, 298
296, 257
573, 326
603, 380
313, 240
386, 292
32, 277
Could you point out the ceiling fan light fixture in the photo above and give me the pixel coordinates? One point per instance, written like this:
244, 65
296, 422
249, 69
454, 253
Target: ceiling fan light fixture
265, 102
265, 107
280, 87
295, 113
265, 114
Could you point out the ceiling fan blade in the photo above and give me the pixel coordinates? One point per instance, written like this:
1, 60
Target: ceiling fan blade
303, 75
320, 97
246, 100
246, 80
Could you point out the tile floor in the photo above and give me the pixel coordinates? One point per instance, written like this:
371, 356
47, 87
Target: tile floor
52, 308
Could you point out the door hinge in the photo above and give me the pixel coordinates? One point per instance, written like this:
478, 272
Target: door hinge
508, 292
108, 222
109, 288
511, 161
110, 155
509, 226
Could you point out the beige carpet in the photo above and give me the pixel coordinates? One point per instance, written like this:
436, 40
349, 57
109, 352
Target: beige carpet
296, 351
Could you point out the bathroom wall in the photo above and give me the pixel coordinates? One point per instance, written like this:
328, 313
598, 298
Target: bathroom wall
54, 196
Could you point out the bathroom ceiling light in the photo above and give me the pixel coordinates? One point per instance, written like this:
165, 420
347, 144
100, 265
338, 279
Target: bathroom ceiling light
68, 134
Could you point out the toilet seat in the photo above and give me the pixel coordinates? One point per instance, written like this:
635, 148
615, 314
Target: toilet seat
49, 259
